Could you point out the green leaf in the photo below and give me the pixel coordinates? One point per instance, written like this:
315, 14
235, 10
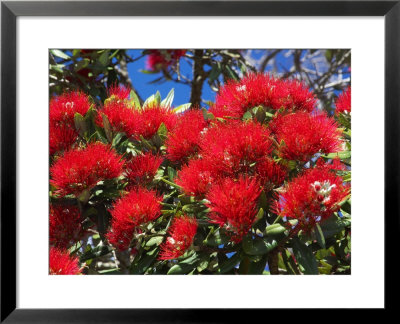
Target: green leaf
247, 115
96, 252
229, 264
260, 214
81, 64
104, 58
319, 235
254, 246
157, 97
342, 155
180, 269
207, 115
258, 266
80, 124
57, 68
334, 225
60, 54
149, 101
182, 108
346, 206
304, 257
215, 72
231, 74
144, 262
162, 131
275, 229
167, 102
156, 240
171, 173
135, 100
110, 272
107, 128
216, 239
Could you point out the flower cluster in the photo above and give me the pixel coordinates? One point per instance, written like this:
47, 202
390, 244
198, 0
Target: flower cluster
233, 205
159, 59
65, 226
230, 149
181, 235
61, 263
61, 119
137, 208
301, 135
237, 97
312, 197
133, 122
81, 169
183, 140
343, 102
141, 169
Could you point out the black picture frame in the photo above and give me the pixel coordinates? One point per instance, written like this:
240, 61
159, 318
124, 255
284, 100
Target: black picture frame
10, 10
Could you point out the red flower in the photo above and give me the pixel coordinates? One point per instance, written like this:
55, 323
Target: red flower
182, 141
65, 226
149, 119
237, 97
121, 116
313, 196
80, 169
233, 205
61, 138
343, 102
235, 147
181, 235
270, 174
141, 169
195, 178
120, 92
301, 135
60, 263
63, 108
158, 59
138, 207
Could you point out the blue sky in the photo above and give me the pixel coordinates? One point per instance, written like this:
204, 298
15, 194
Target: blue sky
141, 81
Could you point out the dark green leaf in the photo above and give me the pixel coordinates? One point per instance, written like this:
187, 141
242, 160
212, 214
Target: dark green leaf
96, 252
229, 264
60, 54
304, 256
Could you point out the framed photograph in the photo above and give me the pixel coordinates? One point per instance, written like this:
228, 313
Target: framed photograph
161, 149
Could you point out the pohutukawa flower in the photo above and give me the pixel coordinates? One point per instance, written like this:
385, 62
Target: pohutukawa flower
182, 141
312, 197
64, 107
301, 135
159, 59
81, 169
141, 169
138, 207
235, 147
233, 205
65, 226
181, 235
237, 97
61, 138
343, 102
270, 174
121, 116
120, 92
196, 178
149, 120
61, 263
